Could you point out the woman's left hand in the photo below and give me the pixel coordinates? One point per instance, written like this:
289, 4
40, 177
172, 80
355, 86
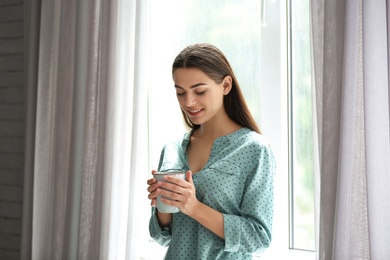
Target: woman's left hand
182, 193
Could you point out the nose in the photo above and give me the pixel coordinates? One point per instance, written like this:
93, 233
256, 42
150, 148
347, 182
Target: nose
190, 100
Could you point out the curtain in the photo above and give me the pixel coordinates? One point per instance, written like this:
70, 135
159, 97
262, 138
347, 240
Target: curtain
86, 159
350, 57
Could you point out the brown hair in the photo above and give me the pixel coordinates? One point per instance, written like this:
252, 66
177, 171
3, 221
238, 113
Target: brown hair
213, 62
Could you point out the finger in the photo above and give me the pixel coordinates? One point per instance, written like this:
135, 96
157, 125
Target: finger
153, 172
174, 180
171, 187
170, 202
170, 194
151, 181
154, 194
154, 186
189, 177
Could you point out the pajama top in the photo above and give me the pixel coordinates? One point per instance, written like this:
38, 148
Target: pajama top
238, 181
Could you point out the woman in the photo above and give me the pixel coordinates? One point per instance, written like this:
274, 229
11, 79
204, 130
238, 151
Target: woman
226, 202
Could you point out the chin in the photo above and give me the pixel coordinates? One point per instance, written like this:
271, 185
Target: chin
196, 121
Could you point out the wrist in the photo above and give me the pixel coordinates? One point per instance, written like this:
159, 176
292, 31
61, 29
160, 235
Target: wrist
164, 219
197, 210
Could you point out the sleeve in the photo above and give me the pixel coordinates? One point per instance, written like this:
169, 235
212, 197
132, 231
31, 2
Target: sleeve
250, 231
160, 235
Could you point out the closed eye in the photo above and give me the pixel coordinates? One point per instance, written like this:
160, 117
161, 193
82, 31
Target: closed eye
200, 93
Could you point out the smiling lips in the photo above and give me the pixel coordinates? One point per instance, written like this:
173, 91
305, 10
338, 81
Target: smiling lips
194, 112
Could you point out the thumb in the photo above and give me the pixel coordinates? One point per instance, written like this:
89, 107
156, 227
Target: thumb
189, 177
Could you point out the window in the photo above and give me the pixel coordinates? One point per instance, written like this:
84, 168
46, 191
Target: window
253, 35
301, 160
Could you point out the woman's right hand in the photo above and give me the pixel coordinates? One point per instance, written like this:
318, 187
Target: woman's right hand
164, 219
153, 189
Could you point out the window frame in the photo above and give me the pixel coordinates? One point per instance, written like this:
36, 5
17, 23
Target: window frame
291, 120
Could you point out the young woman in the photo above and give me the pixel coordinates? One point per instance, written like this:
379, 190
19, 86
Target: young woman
226, 202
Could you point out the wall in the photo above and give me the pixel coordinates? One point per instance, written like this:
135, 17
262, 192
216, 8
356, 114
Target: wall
12, 127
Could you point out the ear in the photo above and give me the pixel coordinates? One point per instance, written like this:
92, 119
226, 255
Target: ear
227, 84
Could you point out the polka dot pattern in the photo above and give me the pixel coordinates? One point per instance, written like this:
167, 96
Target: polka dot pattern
237, 181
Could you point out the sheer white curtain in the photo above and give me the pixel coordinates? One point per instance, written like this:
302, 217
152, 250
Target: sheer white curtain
351, 99
86, 146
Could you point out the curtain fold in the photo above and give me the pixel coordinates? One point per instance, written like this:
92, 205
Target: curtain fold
327, 26
351, 121
376, 97
86, 66
31, 50
137, 229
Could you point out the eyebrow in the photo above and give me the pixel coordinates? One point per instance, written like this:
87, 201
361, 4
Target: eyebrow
193, 86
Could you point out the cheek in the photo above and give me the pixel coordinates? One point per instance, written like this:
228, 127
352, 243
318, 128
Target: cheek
179, 99
218, 99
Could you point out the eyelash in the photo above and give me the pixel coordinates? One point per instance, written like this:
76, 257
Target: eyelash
197, 93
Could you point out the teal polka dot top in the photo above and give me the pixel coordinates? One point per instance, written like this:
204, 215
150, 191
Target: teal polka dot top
238, 181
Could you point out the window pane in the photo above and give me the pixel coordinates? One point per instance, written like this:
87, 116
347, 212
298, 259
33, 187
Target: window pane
302, 204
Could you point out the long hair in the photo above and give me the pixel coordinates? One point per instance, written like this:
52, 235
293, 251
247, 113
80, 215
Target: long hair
213, 63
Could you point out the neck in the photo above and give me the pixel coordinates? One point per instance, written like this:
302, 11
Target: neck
216, 128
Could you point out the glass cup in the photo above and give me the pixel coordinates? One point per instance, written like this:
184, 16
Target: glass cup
162, 207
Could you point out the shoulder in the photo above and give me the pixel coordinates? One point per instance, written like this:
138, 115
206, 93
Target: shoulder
172, 154
253, 139
178, 146
255, 146
258, 149
247, 144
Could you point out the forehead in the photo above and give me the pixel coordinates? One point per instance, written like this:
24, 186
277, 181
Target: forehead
188, 76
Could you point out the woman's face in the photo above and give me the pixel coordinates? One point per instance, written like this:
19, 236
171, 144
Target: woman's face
199, 96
